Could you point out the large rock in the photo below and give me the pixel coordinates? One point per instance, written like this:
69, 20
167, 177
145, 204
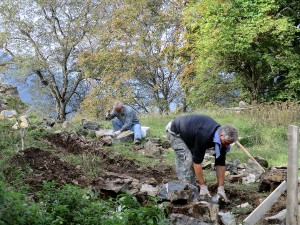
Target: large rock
90, 125
180, 219
7, 92
152, 150
271, 179
124, 136
177, 191
199, 212
117, 183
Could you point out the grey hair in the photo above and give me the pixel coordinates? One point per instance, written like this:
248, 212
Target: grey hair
230, 133
118, 104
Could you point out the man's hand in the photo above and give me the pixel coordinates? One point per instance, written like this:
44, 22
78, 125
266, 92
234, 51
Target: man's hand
204, 191
221, 192
116, 133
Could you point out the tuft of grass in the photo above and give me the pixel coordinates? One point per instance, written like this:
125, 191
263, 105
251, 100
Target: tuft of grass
126, 152
88, 162
157, 124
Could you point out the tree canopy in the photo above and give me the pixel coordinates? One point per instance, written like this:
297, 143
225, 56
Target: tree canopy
44, 39
244, 48
152, 54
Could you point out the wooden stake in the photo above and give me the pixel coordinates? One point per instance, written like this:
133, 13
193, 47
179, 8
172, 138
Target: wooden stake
292, 216
265, 205
248, 154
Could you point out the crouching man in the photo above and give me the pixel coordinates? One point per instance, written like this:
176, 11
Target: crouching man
125, 119
190, 137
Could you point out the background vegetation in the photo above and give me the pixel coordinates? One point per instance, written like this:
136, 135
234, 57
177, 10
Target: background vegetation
156, 55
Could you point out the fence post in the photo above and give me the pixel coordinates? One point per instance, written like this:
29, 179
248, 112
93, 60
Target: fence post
292, 176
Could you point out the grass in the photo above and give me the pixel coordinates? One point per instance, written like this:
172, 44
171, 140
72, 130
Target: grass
264, 129
125, 150
88, 162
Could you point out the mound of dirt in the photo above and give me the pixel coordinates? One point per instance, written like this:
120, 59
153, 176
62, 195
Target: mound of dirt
46, 166
72, 143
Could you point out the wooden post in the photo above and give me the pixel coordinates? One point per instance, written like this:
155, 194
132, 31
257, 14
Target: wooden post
292, 176
265, 205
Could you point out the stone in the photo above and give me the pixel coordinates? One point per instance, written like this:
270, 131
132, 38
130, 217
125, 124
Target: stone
264, 163
272, 179
232, 166
251, 178
124, 136
90, 125
202, 210
8, 113
152, 150
180, 219
278, 218
149, 190
166, 144
114, 182
242, 104
154, 140
180, 196
8, 92
227, 218
178, 191
22, 122
106, 140
102, 133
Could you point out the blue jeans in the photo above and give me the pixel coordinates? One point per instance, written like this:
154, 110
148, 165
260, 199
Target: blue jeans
136, 128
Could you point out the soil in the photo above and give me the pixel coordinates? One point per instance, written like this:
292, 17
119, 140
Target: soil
46, 165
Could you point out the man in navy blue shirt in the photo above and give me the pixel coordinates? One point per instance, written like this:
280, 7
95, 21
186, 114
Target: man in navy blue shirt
190, 136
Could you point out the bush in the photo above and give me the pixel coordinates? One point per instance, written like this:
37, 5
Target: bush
72, 205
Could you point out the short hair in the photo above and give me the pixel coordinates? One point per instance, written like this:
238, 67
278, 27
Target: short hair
118, 104
230, 133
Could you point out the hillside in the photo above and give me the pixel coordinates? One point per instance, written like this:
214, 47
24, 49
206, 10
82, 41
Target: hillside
67, 155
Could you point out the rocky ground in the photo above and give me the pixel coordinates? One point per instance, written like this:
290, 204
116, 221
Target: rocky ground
119, 174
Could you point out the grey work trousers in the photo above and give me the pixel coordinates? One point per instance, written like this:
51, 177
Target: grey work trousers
184, 160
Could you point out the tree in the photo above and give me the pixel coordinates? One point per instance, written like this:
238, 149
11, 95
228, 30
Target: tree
143, 42
45, 38
241, 46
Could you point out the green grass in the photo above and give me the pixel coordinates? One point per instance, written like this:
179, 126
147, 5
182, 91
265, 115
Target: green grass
264, 133
125, 151
88, 162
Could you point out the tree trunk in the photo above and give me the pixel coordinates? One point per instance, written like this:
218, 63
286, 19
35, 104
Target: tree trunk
61, 111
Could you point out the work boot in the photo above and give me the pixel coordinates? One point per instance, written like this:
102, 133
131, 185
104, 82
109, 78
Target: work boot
137, 141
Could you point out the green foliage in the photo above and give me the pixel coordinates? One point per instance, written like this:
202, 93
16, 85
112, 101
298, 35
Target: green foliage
242, 210
89, 162
17, 104
71, 205
135, 214
242, 46
15, 209
7, 135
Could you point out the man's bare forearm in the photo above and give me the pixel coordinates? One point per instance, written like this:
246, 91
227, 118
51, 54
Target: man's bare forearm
199, 173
